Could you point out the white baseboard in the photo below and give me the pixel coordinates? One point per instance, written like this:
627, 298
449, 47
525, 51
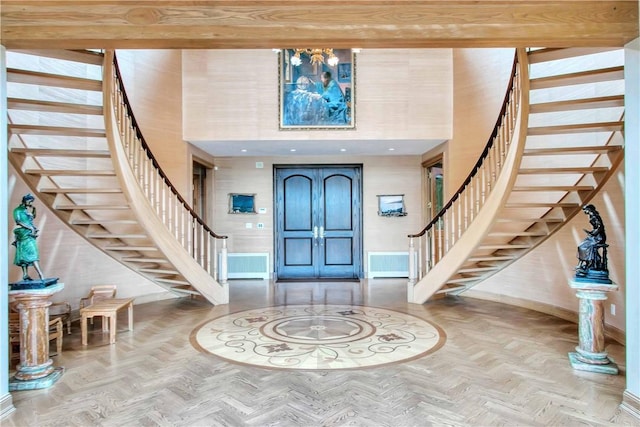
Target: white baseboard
6, 406
631, 404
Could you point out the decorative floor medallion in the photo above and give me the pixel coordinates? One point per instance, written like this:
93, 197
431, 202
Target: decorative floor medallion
318, 337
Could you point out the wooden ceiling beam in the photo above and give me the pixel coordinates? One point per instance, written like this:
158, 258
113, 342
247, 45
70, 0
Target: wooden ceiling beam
240, 24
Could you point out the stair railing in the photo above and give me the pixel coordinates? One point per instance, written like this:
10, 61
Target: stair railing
176, 214
429, 246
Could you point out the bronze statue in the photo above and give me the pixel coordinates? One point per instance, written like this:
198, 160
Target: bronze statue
25, 235
592, 251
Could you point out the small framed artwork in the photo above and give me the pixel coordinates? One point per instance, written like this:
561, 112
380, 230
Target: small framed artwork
317, 89
391, 205
242, 203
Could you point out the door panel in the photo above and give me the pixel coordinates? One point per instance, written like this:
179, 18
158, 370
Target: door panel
337, 203
338, 251
318, 222
298, 210
298, 252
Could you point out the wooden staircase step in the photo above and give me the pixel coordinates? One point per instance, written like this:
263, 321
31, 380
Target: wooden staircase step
517, 234
497, 247
544, 188
53, 107
75, 55
447, 289
571, 150
56, 130
103, 221
553, 54
530, 220
563, 170
528, 205
172, 281
576, 128
69, 172
478, 269
144, 260
578, 104
183, 290
159, 271
463, 280
131, 248
56, 80
582, 77
116, 236
489, 258
110, 207
52, 152
67, 190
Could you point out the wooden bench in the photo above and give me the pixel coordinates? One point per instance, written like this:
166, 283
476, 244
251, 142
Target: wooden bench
108, 309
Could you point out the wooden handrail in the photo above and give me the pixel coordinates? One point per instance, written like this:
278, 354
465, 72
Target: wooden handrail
150, 155
483, 155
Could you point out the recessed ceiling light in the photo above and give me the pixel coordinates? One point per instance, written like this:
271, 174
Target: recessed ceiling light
292, 150
392, 149
244, 150
343, 149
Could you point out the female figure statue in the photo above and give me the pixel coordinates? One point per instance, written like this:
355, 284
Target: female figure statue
25, 235
589, 257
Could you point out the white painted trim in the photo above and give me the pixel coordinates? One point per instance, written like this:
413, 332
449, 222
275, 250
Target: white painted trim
631, 404
632, 213
6, 405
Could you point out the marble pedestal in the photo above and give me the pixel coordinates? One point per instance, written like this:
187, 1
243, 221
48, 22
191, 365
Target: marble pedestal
590, 354
36, 369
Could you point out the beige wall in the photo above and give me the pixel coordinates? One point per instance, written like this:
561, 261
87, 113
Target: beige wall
479, 84
153, 80
380, 175
400, 94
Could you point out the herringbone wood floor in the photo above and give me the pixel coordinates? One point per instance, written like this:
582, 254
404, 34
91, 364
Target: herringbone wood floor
500, 366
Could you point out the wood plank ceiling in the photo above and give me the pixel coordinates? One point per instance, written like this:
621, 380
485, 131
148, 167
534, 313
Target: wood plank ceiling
308, 23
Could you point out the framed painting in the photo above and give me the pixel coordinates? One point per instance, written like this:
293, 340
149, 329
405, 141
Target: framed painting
317, 89
391, 205
242, 203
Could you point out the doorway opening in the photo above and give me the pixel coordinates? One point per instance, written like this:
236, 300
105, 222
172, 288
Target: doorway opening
200, 187
434, 180
434, 198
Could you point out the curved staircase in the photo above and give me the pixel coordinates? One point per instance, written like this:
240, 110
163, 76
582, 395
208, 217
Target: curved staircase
557, 141
74, 140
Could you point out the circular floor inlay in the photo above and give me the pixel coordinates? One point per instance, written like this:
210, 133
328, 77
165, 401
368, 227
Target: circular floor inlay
318, 337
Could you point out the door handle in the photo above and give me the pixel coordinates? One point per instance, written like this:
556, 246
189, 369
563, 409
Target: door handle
321, 235
315, 235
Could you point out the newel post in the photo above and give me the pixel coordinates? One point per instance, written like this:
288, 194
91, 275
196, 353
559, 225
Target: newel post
223, 273
413, 273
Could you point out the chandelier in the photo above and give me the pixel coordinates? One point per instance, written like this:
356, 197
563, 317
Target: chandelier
316, 56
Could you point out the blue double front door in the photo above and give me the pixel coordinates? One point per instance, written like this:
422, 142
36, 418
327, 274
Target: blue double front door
318, 222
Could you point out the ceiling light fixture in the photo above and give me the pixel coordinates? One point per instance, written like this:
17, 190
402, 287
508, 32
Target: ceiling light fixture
316, 56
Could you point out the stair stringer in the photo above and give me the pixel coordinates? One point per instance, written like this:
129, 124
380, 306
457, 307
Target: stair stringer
449, 264
182, 261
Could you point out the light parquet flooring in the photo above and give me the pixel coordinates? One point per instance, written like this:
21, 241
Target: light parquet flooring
501, 365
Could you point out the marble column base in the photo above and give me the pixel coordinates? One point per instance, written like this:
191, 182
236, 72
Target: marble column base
16, 384
599, 365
